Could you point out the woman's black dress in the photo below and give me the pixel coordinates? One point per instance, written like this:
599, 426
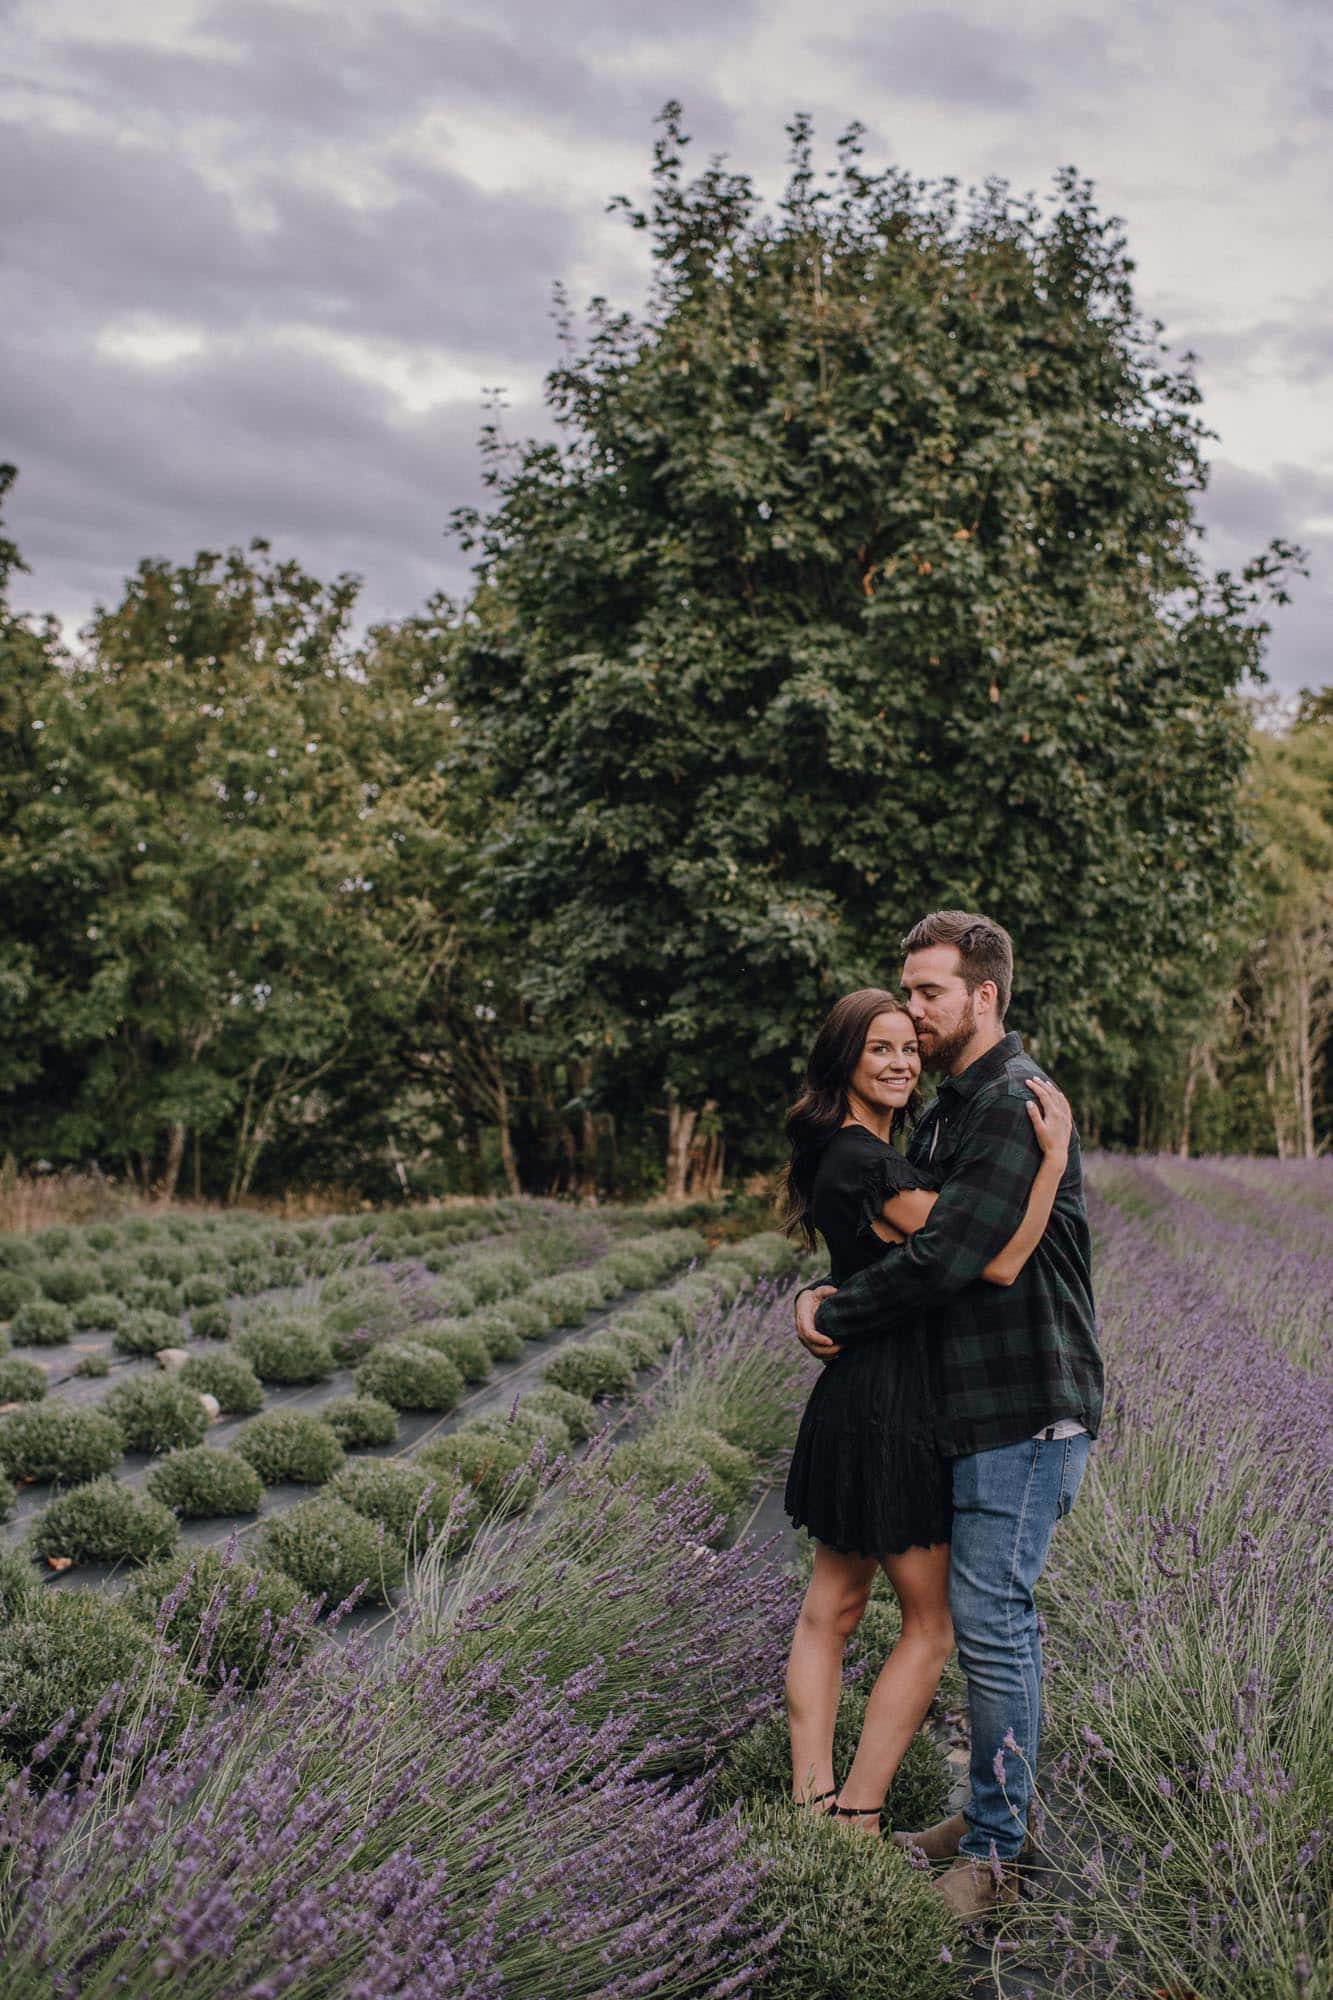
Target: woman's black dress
865, 1476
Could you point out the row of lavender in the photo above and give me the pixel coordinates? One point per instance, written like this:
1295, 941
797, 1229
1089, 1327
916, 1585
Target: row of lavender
1190, 1595
520, 1798
408, 1316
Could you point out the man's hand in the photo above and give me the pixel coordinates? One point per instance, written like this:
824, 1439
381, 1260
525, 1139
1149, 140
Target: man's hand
807, 1305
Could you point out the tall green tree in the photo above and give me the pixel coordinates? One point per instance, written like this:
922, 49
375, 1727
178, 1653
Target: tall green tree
211, 865
860, 578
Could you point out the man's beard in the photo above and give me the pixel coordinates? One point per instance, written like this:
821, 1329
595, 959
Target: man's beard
943, 1051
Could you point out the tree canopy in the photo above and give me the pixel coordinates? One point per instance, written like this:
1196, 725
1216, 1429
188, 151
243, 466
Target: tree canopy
861, 578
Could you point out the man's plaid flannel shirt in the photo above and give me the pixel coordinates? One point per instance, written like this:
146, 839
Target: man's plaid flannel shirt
1006, 1360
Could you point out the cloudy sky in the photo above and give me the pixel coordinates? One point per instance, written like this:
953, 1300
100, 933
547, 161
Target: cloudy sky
263, 257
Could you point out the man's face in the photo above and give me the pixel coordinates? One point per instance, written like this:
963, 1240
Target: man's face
939, 1003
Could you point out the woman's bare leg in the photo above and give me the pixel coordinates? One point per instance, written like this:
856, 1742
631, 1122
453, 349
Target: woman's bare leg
908, 1679
838, 1592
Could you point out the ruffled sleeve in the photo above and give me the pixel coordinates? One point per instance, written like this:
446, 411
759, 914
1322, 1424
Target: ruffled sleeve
887, 1175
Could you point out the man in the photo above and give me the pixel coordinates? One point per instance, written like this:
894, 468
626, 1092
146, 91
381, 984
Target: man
1017, 1375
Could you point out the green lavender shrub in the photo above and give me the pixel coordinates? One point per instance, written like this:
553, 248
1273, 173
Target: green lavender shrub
18, 1583
579, 1414
153, 1295
251, 1610
155, 1412
725, 1281
358, 1421
58, 1442
17, 1289
211, 1323
95, 1366
16, 1252
411, 1501
229, 1377
494, 1466
674, 1454
858, 1920
458, 1343
42, 1323
592, 1369
450, 1298
525, 1315
104, 1521
62, 1655
496, 1332
410, 1377
202, 1484
67, 1280
203, 1289
647, 1316
99, 1312
569, 1299
639, 1348
492, 1275
145, 1332
287, 1350
21, 1381
289, 1444
330, 1550
528, 1427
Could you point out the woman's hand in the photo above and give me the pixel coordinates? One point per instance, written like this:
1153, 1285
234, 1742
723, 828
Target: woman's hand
1052, 1119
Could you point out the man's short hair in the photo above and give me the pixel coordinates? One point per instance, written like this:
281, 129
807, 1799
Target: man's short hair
985, 949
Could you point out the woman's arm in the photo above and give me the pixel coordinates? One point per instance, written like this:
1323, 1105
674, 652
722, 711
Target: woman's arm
1053, 1122
903, 1214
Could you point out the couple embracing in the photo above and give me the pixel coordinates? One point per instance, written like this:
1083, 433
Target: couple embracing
961, 1390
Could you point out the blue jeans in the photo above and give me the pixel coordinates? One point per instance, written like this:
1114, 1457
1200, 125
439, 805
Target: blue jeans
1006, 1505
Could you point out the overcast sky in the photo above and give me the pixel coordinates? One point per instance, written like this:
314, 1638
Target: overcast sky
261, 257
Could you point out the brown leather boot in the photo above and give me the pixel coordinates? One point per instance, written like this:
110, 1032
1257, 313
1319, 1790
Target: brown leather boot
972, 1892
943, 1841
939, 1842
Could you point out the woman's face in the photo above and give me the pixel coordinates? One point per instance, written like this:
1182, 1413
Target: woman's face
890, 1065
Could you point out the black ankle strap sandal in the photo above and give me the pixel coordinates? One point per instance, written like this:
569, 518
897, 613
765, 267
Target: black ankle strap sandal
857, 1812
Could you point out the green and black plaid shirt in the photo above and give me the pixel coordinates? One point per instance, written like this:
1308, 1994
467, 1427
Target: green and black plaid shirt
1006, 1360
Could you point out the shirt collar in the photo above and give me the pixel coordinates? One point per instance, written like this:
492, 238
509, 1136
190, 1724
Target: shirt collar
983, 1069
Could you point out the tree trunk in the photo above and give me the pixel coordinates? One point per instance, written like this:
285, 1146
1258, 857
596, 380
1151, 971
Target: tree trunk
171, 1173
1305, 1054
1191, 1083
507, 1159
680, 1137
706, 1160
580, 1079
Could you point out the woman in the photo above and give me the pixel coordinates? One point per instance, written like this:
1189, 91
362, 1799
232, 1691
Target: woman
865, 1478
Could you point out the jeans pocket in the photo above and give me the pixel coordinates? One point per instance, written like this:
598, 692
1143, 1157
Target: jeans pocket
1071, 1473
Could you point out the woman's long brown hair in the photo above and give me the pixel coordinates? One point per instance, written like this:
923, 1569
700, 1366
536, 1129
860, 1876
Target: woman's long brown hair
821, 1108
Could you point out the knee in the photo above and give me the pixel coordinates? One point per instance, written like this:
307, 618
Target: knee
933, 1634
836, 1616
939, 1636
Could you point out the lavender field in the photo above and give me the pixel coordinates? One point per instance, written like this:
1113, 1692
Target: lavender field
550, 1762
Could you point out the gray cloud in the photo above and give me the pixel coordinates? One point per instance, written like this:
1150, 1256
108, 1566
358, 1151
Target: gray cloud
1241, 512
126, 228
179, 176
360, 75
1299, 351
954, 58
123, 462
